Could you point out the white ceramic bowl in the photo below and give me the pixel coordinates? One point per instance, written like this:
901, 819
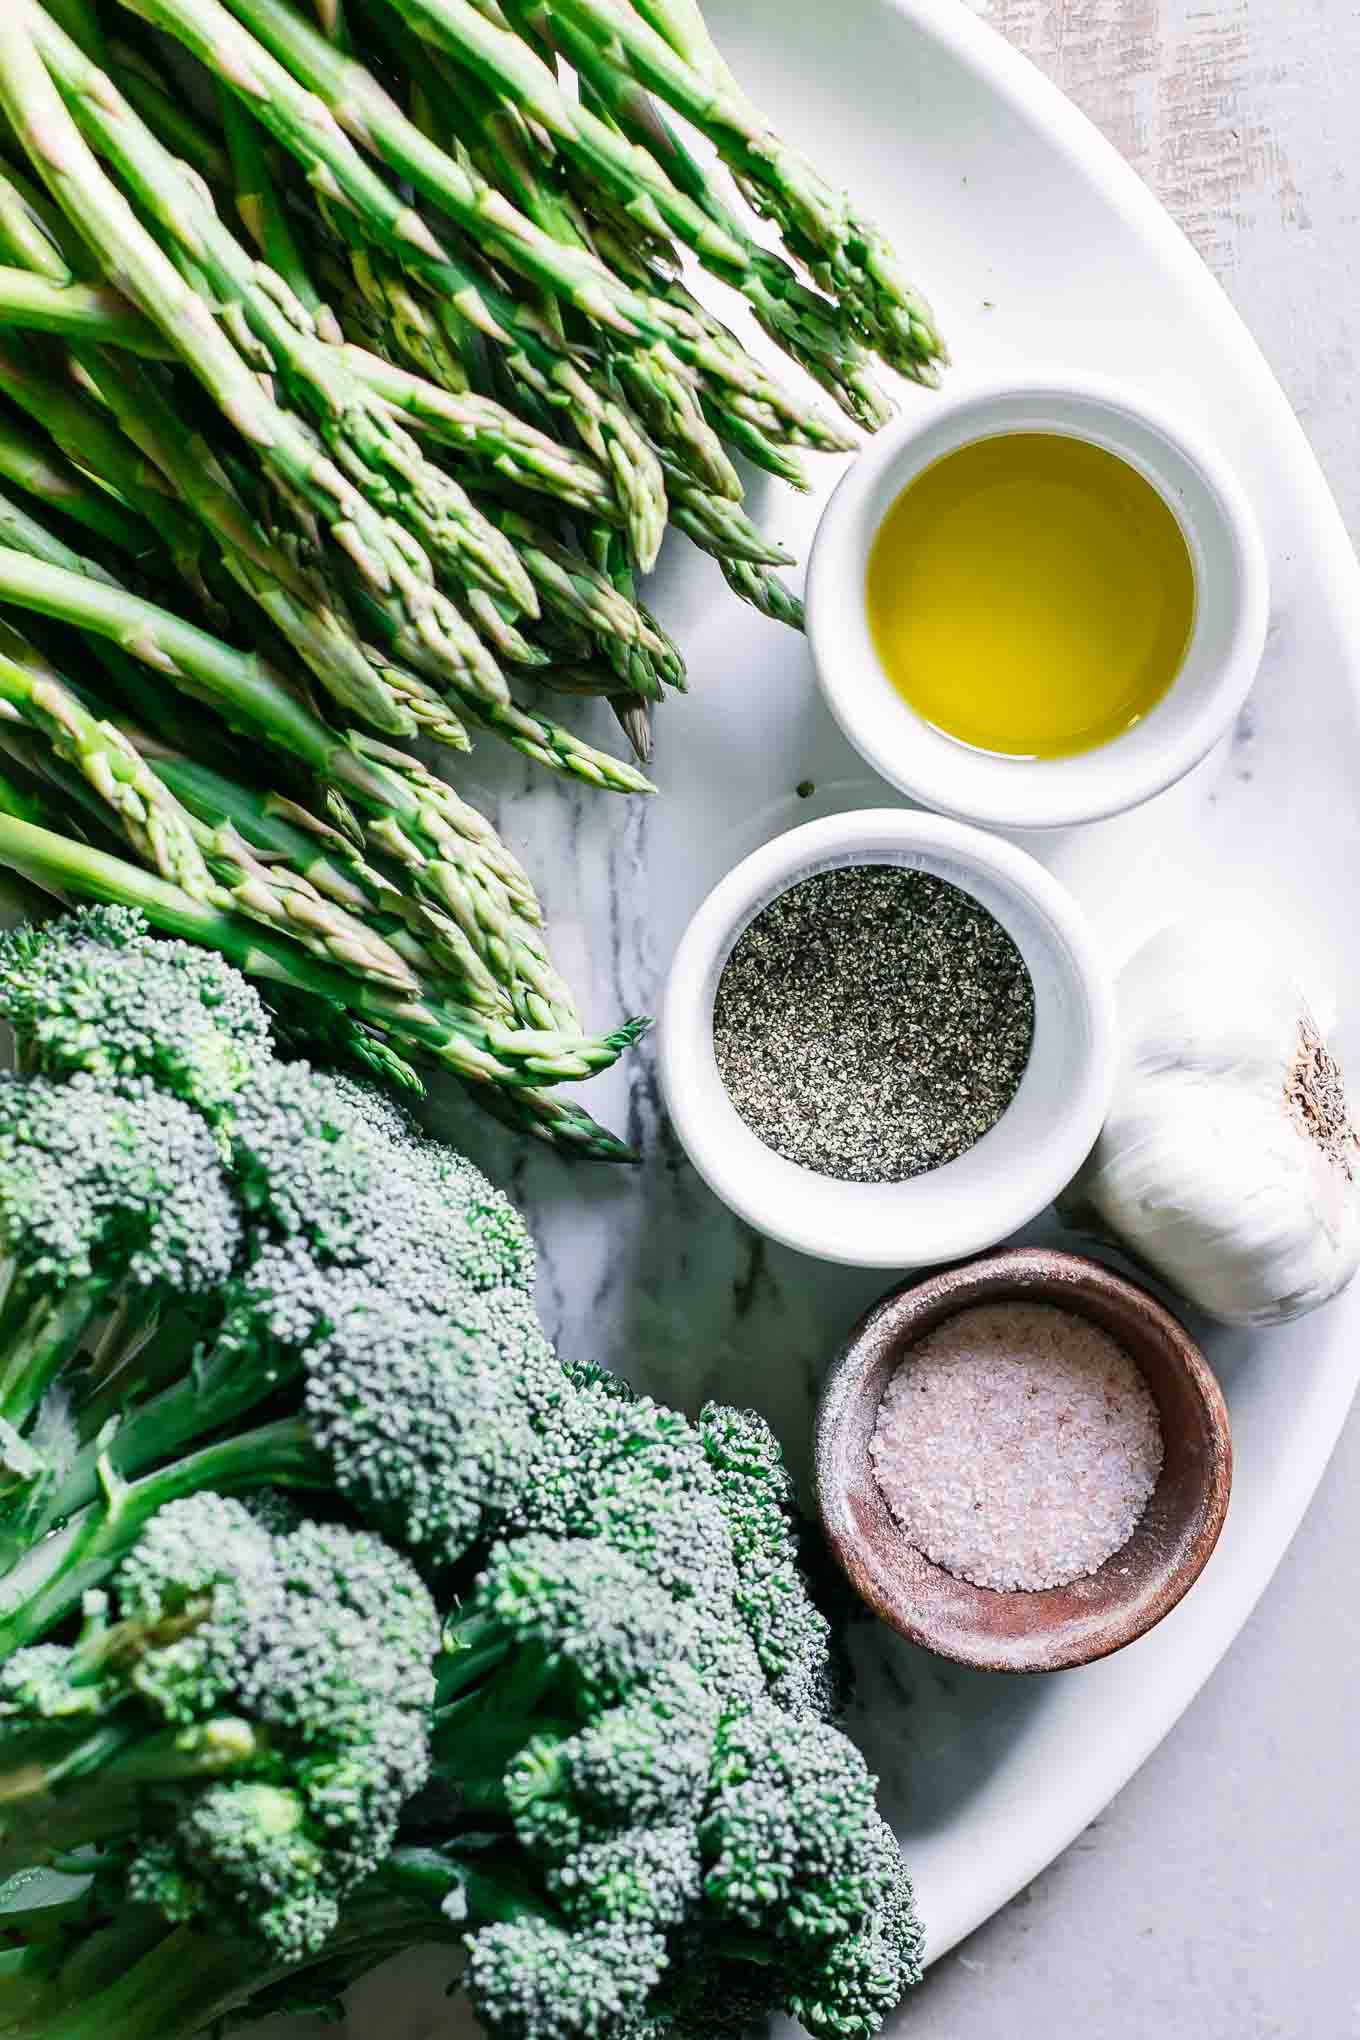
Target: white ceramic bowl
1017, 1168
1232, 608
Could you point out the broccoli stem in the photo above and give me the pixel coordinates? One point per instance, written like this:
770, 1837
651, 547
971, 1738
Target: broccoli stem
40, 1332
52, 1577
127, 1979
73, 1790
222, 1387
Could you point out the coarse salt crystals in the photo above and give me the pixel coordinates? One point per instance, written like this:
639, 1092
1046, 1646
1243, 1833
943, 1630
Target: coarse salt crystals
1017, 1445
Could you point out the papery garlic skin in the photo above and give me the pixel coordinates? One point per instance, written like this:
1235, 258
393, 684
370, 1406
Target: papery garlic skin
1227, 1162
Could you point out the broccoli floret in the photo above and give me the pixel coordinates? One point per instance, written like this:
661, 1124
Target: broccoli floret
791, 1635
258, 1698
112, 1200
365, 1298
531, 1980
708, 1995
857, 1980
638, 1877
786, 1827
644, 1763
325, 1161
584, 1624
95, 991
414, 1417
635, 1475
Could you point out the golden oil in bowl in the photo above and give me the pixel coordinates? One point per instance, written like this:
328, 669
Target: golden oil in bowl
1031, 594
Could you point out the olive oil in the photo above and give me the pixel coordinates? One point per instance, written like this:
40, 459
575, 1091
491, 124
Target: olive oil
1031, 594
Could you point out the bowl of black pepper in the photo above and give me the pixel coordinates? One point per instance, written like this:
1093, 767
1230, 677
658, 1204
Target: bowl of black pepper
888, 1039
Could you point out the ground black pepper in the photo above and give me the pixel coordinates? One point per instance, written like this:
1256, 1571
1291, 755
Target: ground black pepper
873, 1022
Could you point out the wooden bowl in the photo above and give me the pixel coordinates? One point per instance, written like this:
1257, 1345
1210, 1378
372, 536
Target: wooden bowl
1058, 1626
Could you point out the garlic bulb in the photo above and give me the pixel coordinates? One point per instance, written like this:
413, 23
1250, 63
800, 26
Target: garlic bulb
1228, 1162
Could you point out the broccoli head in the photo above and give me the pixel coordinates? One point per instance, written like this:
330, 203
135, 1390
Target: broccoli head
855, 1982
786, 1826
791, 1635
529, 1979
95, 991
256, 1696
419, 1420
113, 1198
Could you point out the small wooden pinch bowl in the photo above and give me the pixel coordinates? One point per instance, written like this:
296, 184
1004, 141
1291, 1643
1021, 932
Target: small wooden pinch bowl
1058, 1626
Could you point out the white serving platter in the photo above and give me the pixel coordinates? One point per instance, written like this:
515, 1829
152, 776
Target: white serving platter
1039, 246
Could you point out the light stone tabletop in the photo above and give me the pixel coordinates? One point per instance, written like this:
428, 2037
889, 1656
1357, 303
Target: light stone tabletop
1218, 1897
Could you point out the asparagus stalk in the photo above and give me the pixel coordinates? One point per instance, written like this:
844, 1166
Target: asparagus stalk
36, 468
660, 388
147, 812
303, 607
811, 330
845, 252
480, 427
93, 312
90, 438
427, 834
279, 829
284, 101
167, 114
764, 591
270, 893
25, 239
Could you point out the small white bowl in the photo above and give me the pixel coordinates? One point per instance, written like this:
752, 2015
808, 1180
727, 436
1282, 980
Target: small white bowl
1231, 613
1034, 1149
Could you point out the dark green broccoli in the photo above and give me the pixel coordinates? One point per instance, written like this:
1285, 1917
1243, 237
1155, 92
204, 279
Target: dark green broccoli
529, 1979
634, 1474
386, 1291
421, 1423
636, 1877
95, 991
855, 1982
636, 1811
239, 1729
783, 1831
325, 1161
791, 1635
559, 1626
707, 1510
113, 1202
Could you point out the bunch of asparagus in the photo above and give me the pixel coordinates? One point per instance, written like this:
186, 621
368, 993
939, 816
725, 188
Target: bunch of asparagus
363, 341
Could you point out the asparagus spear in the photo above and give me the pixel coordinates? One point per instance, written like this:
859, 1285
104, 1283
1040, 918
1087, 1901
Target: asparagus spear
427, 834
658, 385
304, 606
147, 812
845, 251
764, 591
89, 437
278, 828
269, 893
284, 100
94, 312
24, 236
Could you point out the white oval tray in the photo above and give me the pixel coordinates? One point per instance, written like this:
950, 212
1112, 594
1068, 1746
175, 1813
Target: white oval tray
1038, 244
